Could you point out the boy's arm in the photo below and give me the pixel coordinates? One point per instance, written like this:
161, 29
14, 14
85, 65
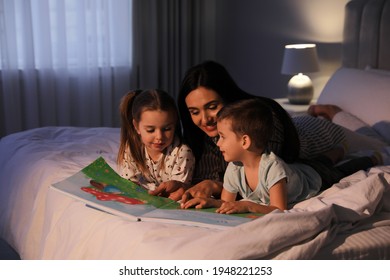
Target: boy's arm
228, 196
278, 200
278, 195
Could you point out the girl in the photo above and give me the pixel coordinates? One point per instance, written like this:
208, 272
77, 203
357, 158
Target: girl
151, 152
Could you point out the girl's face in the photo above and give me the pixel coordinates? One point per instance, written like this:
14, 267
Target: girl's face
157, 131
230, 145
203, 105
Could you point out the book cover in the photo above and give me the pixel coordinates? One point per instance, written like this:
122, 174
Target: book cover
100, 187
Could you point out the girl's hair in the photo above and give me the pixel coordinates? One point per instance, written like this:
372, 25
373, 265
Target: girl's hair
214, 76
131, 107
250, 117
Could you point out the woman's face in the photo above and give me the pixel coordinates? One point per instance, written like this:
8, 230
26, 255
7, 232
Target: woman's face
203, 105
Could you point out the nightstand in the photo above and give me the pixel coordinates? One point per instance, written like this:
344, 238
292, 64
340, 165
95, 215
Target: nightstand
294, 109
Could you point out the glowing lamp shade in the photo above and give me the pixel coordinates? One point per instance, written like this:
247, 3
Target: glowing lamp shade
299, 59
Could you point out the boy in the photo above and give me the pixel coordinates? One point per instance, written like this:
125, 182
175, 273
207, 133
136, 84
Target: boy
264, 181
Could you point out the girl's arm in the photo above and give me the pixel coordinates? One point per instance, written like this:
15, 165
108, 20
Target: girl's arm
182, 166
182, 169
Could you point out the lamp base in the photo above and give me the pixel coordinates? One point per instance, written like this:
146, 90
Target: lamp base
300, 90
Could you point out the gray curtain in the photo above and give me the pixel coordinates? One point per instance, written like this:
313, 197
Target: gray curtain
52, 88
170, 36
63, 63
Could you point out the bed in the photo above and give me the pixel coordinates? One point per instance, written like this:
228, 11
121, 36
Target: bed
351, 220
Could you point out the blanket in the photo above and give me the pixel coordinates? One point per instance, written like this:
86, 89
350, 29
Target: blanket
41, 223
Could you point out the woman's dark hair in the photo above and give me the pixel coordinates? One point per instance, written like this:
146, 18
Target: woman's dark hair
214, 76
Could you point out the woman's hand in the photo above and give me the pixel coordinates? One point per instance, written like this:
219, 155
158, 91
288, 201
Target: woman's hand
171, 189
201, 202
204, 189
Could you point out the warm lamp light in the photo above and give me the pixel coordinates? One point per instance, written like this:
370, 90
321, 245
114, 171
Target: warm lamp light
299, 59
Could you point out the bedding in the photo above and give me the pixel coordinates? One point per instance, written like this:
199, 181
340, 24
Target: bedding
41, 223
350, 220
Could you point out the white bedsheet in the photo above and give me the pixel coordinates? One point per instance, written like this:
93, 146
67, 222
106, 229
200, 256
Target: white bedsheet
41, 223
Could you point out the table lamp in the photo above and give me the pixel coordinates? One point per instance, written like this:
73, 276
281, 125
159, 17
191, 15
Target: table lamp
299, 59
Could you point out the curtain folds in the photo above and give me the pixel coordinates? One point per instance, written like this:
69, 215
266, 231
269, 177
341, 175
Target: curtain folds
68, 62
63, 62
170, 36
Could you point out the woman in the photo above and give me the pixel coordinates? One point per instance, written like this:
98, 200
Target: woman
205, 89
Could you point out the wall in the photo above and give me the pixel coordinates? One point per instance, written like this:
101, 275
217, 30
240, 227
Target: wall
251, 35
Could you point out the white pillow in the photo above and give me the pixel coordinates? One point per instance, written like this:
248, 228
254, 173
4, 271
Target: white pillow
363, 93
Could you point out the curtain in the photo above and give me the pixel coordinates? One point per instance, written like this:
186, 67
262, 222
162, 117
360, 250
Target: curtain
68, 62
64, 62
169, 37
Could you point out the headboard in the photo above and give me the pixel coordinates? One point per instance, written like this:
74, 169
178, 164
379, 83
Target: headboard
367, 34
362, 85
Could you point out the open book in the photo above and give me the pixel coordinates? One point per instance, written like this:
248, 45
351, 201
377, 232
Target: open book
100, 187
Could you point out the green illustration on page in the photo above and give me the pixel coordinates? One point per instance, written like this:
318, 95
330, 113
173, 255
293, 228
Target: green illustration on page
109, 185
101, 188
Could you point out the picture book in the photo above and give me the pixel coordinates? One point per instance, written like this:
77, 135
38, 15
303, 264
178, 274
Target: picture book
101, 188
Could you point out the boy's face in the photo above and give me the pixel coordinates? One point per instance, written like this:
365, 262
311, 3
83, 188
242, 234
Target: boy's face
229, 143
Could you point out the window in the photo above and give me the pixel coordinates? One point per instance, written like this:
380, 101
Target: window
63, 62
65, 33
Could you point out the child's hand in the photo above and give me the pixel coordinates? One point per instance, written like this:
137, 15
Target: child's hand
232, 207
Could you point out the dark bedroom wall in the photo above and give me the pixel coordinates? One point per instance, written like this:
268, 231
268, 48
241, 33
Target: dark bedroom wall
251, 35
